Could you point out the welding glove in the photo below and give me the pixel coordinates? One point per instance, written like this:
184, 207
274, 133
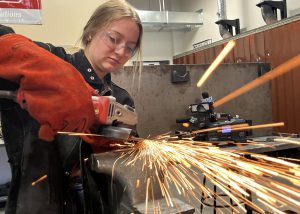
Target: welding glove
50, 89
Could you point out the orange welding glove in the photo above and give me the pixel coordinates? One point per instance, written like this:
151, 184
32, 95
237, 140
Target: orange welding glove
50, 89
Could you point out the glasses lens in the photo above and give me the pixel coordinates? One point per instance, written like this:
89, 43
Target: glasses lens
115, 41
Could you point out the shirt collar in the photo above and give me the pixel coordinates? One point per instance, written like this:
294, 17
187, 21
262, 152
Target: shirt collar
103, 87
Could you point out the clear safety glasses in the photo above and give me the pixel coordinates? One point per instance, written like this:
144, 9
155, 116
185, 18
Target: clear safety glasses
116, 41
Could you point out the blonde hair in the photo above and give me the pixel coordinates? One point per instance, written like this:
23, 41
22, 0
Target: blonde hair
107, 13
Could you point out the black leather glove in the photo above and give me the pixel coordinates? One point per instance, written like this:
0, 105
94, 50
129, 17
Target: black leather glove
5, 30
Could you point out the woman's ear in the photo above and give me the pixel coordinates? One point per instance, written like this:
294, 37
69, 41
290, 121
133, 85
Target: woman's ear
89, 39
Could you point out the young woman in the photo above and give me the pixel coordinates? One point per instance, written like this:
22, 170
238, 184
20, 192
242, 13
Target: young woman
110, 38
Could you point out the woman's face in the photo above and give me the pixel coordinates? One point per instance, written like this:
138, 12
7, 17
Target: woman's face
113, 46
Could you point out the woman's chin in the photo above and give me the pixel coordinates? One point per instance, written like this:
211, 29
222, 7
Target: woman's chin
111, 68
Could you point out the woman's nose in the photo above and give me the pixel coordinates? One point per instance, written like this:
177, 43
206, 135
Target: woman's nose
120, 50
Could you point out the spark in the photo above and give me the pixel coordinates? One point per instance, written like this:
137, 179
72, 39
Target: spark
221, 128
39, 180
257, 126
278, 71
230, 45
80, 134
287, 140
167, 162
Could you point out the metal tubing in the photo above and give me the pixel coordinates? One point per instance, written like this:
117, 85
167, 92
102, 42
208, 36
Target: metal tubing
221, 9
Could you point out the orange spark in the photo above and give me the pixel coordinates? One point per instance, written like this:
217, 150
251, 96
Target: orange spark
278, 71
186, 125
258, 126
221, 128
168, 161
216, 62
287, 140
80, 134
39, 180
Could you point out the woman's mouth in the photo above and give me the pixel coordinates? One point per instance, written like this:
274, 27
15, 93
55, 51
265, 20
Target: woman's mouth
114, 61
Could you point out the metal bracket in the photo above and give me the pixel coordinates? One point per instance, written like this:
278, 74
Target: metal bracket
179, 74
280, 5
229, 24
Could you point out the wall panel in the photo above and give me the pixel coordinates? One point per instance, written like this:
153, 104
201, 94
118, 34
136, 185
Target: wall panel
275, 46
199, 57
209, 55
158, 107
242, 50
218, 50
257, 47
176, 61
191, 58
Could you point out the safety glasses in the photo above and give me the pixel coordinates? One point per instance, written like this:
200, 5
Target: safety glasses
116, 41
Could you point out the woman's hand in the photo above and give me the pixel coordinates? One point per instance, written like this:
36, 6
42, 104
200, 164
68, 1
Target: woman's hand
50, 89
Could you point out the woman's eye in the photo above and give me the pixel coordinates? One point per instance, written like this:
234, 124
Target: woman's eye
130, 49
112, 39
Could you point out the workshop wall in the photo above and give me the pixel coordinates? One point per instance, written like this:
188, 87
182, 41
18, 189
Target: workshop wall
209, 30
63, 21
272, 44
159, 102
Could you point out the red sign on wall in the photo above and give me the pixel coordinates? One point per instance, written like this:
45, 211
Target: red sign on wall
20, 11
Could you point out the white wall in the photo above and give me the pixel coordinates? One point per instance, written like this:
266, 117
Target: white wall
157, 46
246, 10
210, 30
63, 22
253, 13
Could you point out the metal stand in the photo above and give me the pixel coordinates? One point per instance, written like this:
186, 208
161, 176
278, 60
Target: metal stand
215, 205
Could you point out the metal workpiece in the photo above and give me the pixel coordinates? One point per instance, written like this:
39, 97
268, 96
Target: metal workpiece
268, 144
181, 207
111, 164
132, 180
